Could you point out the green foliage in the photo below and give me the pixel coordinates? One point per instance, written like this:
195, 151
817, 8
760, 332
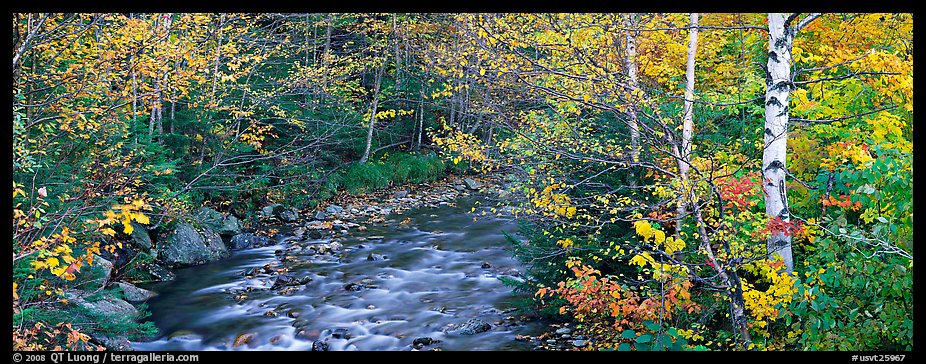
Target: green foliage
390, 169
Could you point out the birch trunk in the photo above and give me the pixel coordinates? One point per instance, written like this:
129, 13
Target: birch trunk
687, 123
366, 151
630, 63
774, 155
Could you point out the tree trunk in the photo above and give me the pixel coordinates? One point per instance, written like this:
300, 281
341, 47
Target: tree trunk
218, 55
774, 156
326, 54
420, 117
366, 151
173, 115
630, 63
687, 123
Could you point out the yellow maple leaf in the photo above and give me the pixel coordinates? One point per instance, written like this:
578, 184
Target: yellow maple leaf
127, 226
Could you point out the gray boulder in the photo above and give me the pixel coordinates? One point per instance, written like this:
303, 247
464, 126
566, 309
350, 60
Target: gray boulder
333, 209
472, 184
248, 240
134, 294
289, 215
114, 309
470, 327
103, 305
140, 237
224, 224
95, 276
187, 245
319, 215
271, 210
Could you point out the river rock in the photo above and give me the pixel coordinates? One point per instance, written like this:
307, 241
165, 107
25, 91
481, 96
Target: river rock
316, 234
564, 330
118, 343
421, 341
579, 343
159, 273
472, 184
308, 334
247, 241
470, 327
141, 239
187, 245
318, 345
113, 307
289, 215
243, 339
341, 333
319, 215
134, 294
224, 224
116, 311
333, 209
374, 256
290, 279
401, 194
353, 287
271, 210
96, 275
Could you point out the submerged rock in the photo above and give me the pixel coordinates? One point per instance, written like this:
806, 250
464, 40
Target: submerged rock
290, 279
374, 256
319, 346
421, 341
470, 327
248, 240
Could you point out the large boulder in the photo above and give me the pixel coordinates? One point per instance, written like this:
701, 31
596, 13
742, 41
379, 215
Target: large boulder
134, 294
187, 245
95, 275
248, 240
224, 224
117, 312
140, 237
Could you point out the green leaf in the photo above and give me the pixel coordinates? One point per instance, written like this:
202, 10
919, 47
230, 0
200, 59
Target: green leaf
628, 334
645, 338
666, 341
623, 347
651, 325
680, 344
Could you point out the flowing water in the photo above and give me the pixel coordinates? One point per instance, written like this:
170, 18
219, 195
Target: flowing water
442, 267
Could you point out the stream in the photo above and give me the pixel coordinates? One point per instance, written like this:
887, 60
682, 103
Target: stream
414, 276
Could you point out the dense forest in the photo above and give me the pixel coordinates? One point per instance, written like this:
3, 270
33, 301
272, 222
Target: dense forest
681, 181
